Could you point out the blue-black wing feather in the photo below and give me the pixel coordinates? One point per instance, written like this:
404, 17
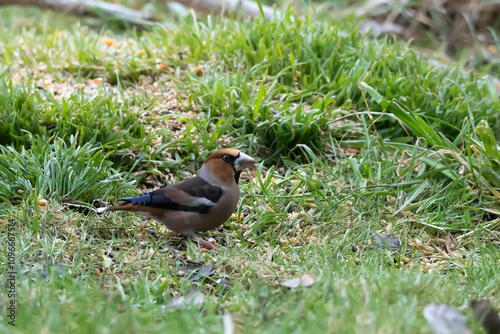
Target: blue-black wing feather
158, 199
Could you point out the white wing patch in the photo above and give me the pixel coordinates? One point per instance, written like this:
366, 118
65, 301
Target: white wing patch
197, 201
101, 210
179, 196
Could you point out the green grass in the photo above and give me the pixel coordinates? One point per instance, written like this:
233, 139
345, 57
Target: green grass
58, 171
354, 137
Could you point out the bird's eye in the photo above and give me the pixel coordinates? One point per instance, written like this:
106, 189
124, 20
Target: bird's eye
226, 158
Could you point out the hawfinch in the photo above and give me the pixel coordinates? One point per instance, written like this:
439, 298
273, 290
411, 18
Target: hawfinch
201, 203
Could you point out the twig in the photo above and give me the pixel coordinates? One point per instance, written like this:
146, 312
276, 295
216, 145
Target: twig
250, 8
90, 8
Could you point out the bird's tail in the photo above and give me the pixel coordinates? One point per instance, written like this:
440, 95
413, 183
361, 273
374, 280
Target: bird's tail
122, 207
101, 210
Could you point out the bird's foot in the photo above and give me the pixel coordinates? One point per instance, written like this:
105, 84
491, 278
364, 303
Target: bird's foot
204, 243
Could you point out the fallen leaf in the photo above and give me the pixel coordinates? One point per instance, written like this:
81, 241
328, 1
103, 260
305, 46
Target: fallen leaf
306, 281
292, 283
202, 272
194, 298
445, 319
385, 241
107, 262
487, 315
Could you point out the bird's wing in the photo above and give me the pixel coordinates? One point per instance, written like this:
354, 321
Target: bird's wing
195, 195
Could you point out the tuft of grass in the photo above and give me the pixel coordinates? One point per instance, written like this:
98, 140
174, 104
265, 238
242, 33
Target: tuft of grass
305, 58
100, 119
473, 154
59, 171
276, 127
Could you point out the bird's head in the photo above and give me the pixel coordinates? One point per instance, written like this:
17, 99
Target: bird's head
225, 166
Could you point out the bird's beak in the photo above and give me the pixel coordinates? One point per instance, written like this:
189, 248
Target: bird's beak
243, 161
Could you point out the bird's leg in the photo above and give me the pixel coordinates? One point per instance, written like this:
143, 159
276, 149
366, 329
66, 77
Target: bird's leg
200, 241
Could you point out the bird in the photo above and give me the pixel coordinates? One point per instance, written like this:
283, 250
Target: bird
198, 204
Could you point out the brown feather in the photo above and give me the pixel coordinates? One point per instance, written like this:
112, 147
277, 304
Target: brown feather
220, 153
224, 172
177, 195
198, 187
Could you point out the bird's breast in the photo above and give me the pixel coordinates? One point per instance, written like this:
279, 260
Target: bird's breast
224, 208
